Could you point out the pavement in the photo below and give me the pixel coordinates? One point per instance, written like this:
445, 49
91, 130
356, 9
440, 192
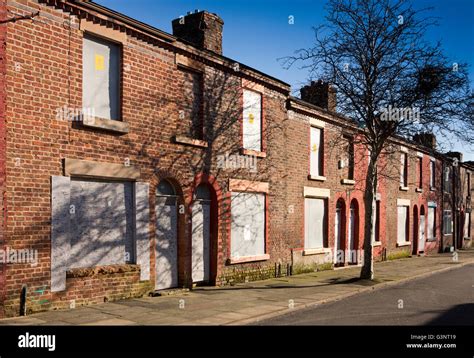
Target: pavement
249, 303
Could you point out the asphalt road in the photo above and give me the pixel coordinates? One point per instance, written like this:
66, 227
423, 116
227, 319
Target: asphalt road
446, 298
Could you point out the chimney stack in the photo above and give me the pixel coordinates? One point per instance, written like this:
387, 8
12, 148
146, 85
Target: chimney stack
425, 139
321, 94
202, 29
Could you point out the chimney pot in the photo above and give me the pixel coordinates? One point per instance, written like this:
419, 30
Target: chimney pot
202, 29
321, 94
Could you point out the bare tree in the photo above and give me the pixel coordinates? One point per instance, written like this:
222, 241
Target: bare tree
389, 79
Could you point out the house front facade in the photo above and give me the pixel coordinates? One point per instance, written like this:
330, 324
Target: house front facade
134, 161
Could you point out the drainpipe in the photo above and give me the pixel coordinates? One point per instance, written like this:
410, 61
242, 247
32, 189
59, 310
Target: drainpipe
23, 301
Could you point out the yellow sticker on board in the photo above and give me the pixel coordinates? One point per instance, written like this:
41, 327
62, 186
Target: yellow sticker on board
99, 63
314, 148
251, 118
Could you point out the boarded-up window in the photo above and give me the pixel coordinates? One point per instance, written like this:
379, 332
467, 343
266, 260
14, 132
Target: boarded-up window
349, 152
420, 173
191, 108
102, 223
404, 170
316, 152
315, 223
431, 223
248, 224
101, 77
402, 224
447, 222
467, 225
432, 174
252, 125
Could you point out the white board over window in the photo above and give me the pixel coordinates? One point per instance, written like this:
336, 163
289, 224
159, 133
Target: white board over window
315, 219
101, 77
248, 224
315, 152
252, 125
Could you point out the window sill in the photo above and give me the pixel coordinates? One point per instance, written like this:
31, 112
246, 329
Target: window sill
432, 189
403, 188
418, 190
322, 250
401, 244
239, 260
467, 238
254, 153
433, 239
376, 243
102, 270
316, 177
348, 181
110, 125
181, 139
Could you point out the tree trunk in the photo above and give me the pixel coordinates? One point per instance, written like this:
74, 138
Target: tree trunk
367, 271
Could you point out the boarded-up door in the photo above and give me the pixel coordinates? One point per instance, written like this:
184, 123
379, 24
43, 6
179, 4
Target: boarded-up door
421, 234
201, 240
166, 250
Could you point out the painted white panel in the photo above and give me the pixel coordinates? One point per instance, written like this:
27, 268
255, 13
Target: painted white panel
60, 230
315, 215
201, 211
101, 77
252, 125
431, 222
166, 250
248, 224
315, 151
421, 235
142, 222
102, 223
401, 224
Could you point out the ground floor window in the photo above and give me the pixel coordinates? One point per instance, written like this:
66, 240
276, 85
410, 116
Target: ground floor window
247, 224
102, 223
447, 222
467, 225
403, 226
315, 223
431, 223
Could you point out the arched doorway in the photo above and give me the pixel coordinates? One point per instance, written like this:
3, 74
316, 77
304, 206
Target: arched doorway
201, 235
352, 239
166, 248
421, 234
416, 230
339, 231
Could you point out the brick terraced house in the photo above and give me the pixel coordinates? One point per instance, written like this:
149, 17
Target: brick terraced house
133, 161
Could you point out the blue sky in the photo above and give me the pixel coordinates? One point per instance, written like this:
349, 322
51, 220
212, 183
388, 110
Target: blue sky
257, 32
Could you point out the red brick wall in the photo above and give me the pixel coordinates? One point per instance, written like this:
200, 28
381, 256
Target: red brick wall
3, 64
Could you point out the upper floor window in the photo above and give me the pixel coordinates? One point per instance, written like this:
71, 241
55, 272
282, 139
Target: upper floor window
420, 173
447, 180
432, 174
101, 77
191, 117
316, 152
349, 149
252, 117
404, 170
